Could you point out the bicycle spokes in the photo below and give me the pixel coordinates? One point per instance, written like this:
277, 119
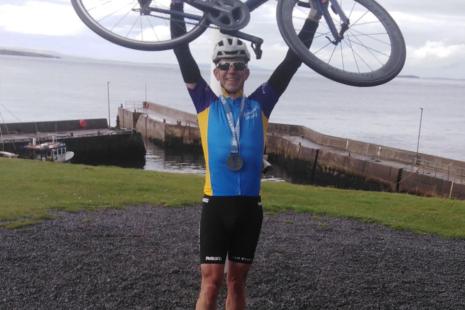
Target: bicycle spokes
143, 21
359, 44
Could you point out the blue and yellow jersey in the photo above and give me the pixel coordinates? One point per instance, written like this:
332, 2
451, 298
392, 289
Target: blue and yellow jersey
216, 139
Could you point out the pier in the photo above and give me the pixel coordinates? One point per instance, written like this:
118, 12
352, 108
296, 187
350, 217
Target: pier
91, 140
315, 157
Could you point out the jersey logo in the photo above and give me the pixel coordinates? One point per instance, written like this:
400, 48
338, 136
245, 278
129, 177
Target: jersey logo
251, 114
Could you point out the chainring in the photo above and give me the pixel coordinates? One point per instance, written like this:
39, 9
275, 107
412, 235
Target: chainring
233, 15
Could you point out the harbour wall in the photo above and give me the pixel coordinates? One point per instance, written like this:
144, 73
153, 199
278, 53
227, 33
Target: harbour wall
317, 158
167, 127
375, 151
90, 139
53, 126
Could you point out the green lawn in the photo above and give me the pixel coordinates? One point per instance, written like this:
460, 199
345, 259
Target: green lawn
29, 189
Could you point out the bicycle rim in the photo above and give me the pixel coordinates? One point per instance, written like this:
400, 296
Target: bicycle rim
371, 53
121, 22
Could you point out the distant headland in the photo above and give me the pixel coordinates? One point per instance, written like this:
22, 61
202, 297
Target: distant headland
12, 52
408, 76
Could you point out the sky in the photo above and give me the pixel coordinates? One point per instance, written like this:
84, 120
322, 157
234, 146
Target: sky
434, 32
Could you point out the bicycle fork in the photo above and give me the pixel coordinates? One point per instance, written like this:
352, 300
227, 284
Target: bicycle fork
336, 8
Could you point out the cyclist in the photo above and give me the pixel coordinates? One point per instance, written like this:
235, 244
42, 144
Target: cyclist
233, 128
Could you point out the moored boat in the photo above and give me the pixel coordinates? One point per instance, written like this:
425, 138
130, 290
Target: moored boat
48, 151
8, 154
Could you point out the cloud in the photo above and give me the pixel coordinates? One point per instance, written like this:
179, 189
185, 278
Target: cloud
435, 42
438, 50
40, 18
418, 29
436, 58
420, 7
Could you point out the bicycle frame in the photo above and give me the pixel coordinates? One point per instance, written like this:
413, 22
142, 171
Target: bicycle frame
251, 4
337, 36
254, 4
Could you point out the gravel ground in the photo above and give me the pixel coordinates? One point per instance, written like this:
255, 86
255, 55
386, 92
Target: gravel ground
146, 258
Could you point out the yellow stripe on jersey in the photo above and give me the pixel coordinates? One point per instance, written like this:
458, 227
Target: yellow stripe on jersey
265, 126
203, 125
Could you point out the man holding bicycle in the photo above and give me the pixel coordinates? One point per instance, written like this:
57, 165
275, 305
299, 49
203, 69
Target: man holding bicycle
233, 128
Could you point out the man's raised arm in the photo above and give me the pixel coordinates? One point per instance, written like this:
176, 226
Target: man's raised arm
189, 69
283, 74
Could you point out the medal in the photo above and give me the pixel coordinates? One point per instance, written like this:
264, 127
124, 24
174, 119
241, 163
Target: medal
235, 162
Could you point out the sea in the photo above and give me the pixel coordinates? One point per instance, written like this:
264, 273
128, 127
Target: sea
406, 113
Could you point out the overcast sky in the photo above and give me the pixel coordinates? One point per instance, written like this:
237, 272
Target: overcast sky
434, 32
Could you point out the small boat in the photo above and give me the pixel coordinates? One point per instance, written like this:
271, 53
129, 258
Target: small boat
48, 151
8, 154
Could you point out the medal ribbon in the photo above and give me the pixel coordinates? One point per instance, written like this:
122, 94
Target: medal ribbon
235, 130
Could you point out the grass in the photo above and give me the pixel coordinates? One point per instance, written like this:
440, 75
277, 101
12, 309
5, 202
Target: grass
30, 189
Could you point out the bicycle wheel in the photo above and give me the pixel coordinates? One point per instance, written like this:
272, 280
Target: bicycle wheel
372, 51
124, 22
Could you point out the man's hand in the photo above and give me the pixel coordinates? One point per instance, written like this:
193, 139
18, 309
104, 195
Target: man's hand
314, 14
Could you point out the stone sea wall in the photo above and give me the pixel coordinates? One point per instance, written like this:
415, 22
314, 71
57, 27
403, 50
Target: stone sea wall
316, 158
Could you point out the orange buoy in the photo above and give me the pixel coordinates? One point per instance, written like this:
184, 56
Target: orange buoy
83, 123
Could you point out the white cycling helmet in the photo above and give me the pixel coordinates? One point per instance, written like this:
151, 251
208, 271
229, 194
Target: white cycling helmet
230, 47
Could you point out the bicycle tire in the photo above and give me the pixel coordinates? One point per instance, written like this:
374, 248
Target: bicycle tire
386, 72
135, 43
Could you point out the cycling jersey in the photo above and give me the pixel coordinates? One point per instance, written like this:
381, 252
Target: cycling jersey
216, 138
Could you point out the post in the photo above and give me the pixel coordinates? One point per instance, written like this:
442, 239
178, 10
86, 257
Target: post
419, 133
108, 99
451, 189
1, 137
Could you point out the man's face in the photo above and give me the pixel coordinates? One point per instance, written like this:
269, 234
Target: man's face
231, 73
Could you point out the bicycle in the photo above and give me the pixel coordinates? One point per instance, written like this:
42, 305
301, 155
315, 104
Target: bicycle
358, 43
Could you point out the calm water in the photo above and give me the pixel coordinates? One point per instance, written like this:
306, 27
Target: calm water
160, 159
166, 160
35, 89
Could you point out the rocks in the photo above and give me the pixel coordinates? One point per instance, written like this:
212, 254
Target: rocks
147, 258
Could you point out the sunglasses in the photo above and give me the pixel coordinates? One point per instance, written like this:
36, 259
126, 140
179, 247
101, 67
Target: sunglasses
238, 66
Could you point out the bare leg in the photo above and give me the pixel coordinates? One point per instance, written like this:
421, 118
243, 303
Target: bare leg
237, 276
212, 279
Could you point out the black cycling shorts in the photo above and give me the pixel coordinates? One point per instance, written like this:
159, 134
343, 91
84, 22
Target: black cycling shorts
229, 225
